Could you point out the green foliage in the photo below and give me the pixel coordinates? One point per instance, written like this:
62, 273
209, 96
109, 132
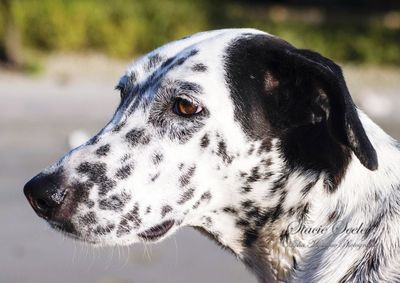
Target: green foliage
120, 28
125, 28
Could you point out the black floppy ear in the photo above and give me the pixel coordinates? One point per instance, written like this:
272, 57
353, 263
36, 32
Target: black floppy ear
321, 95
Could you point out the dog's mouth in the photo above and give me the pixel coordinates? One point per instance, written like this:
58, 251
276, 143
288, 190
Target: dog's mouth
156, 232
65, 228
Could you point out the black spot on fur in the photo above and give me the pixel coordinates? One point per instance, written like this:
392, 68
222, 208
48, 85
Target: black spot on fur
284, 236
283, 196
124, 172
96, 173
129, 221
223, 153
88, 219
254, 218
250, 236
247, 203
145, 140
280, 183
167, 63
187, 195
154, 60
184, 180
265, 146
90, 204
173, 62
137, 136
165, 210
179, 62
254, 176
302, 212
81, 192
155, 177
119, 126
157, 158
133, 214
205, 141
208, 221
253, 212
106, 186
103, 150
266, 163
333, 216
123, 228
199, 67
148, 209
246, 189
206, 196
242, 222
114, 202
125, 158
230, 209
251, 150
103, 230
196, 205
193, 52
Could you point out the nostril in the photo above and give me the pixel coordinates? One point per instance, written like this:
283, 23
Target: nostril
43, 206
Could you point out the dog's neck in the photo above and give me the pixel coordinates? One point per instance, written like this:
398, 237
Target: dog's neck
327, 235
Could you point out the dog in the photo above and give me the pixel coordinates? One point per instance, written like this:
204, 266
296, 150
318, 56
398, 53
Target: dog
250, 140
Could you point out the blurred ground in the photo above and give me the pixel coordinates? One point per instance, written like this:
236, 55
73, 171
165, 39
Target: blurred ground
76, 92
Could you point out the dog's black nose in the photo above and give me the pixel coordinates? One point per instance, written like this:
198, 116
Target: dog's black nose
45, 194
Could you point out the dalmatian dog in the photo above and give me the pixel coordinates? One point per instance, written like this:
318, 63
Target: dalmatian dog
250, 140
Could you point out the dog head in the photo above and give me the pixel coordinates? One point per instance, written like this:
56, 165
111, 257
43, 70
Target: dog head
206, 133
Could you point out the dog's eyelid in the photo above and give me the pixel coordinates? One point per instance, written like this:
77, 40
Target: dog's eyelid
189, 98
186, 96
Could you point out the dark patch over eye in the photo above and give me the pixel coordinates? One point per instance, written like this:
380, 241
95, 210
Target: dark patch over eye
186, 107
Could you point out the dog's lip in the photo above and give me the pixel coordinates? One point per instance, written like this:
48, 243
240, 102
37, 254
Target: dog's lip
156, 232
65, 228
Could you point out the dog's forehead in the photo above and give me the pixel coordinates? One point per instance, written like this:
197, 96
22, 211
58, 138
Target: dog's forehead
205, 46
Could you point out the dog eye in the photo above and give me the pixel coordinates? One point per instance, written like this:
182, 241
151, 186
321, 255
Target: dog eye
186, 107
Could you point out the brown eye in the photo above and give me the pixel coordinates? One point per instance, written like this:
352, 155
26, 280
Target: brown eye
186, 107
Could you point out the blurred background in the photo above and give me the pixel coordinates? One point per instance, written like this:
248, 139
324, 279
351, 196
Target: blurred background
59, 63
